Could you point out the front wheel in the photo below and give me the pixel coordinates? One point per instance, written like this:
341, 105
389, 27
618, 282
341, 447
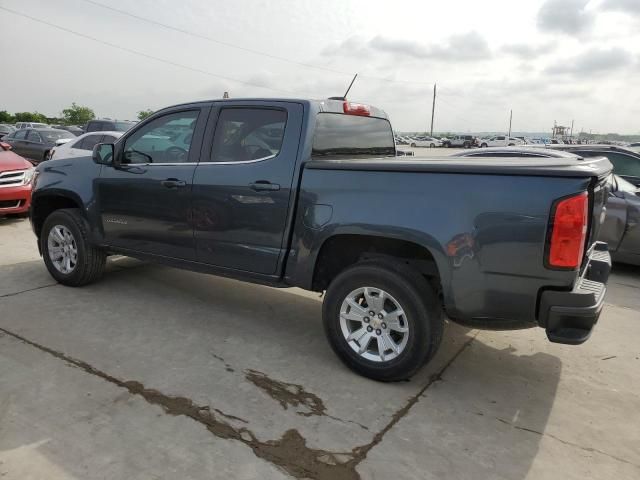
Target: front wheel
68, 255
413, 145
433, 145
383, 319
484, 145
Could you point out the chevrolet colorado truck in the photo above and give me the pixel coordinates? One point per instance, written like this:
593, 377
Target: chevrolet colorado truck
310, 194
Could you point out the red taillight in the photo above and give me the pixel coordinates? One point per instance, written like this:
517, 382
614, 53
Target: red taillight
351, 108
569, 231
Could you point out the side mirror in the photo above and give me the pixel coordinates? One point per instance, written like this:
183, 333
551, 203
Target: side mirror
103, 153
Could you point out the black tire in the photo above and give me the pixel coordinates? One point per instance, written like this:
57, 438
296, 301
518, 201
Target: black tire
413, 145
447, 145
466, 145
484, 145
91, 260
424, 315
433, 145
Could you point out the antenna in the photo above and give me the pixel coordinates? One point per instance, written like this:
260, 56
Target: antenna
350, 85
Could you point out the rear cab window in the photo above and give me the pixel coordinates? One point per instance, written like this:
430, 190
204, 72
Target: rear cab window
341, 135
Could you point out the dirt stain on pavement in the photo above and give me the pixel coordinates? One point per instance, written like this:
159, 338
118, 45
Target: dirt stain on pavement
290, 452
287, 394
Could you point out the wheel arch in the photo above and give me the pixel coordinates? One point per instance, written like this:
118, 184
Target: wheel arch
341, 250
44, 204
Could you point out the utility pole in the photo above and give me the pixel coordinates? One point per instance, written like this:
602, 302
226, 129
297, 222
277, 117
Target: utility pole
571, 134
433, 108
510, 119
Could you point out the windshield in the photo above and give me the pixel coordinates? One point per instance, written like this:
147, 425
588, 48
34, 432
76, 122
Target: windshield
53, 135
122, 126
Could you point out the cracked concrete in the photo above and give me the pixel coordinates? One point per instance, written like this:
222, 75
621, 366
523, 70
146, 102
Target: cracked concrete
180, 375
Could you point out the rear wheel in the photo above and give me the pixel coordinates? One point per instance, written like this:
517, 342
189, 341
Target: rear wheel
413, 145
383, 319
433, 145
484, 145
466, 145
68, 255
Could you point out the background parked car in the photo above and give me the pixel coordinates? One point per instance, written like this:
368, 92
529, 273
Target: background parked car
83, 145
6, 129
69, 128
21, 125
426, 142
464, 141
621, 227
501, 141
626, 162
35, 143
108, 126
16, 175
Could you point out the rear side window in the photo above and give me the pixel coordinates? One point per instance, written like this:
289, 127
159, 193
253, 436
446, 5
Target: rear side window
244, 134
351, 135
88, 142
94, 126
34, 136
20, 135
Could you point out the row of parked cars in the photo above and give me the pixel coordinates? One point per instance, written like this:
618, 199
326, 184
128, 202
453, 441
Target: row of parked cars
26, 144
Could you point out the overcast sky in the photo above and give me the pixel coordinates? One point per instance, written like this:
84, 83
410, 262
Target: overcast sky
547, 59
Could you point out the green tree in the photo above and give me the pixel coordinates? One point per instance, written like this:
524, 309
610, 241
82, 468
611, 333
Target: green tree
6, 117
30, 117
142, 114
77, 114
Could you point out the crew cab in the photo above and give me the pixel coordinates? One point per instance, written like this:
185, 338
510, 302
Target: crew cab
310, 194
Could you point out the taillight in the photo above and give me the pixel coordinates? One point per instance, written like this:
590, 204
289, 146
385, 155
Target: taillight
351, 108
568, 231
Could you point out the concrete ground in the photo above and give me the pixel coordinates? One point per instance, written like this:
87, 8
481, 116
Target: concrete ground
155, 373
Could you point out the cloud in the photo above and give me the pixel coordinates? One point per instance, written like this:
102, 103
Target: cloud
632, 7
593, 62
469, 46
527, 51
565, 16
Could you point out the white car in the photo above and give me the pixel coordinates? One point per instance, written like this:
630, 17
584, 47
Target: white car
425, 142
21, 125
501, 141
83, 145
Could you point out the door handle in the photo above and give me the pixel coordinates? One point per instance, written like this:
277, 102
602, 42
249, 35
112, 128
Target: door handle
264, 185
173, 183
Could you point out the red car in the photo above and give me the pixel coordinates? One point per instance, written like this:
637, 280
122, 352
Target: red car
16, 176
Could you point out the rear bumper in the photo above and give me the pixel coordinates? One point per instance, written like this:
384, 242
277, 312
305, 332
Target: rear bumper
569, 317
15, 200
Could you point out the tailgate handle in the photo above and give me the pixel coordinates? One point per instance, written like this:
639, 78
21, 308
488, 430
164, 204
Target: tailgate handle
264, 185
173, 183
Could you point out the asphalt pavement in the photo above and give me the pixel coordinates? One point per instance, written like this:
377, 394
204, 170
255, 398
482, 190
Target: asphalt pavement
156, 373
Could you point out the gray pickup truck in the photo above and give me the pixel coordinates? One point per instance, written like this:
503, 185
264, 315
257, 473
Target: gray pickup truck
310, 194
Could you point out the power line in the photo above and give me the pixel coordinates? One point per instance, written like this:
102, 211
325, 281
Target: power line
246, 49
142, 54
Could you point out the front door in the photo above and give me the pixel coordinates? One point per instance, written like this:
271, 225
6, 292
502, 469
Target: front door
241, 192
144, 199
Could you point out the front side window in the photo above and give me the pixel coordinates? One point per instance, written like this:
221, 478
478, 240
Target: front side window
20, 135
248, 134
166, 139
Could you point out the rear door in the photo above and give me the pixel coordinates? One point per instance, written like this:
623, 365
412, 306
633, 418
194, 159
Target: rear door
144, 202
242, 185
